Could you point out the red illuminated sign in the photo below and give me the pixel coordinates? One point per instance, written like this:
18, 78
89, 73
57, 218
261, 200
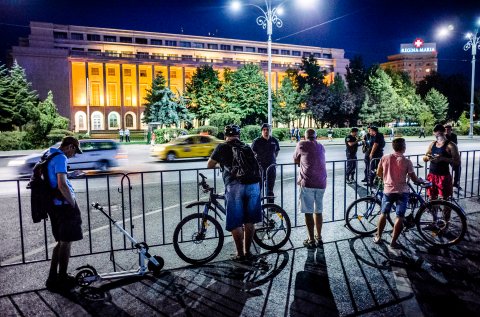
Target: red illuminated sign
418, 43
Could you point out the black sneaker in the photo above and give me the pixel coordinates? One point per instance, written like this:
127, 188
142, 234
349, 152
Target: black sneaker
66, 282
51, 284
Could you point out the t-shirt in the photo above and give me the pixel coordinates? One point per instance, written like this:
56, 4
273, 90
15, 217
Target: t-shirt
313, 171
452, 138
58, 165
223, 154
380, 140
351, 150
266, 151
395, 169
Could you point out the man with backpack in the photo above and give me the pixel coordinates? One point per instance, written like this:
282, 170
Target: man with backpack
312, 179
266, 149
241, 175
64, 215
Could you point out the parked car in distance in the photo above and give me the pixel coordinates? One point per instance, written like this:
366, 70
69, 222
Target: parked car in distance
98, 154
186, 146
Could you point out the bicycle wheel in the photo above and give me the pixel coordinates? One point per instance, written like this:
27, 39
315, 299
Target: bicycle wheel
362, 215
275, 229
198, 239
441, 223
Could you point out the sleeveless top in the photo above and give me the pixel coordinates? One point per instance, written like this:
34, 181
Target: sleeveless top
440, 168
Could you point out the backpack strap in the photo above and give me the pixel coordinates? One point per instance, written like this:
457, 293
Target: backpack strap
46, 159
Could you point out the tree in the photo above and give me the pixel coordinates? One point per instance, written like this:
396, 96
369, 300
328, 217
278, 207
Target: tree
438, 105
356, 77
204, 93
6, 107
383, 101
245, 94
48, 119
340, 103
22, 98
287, 109
164, 106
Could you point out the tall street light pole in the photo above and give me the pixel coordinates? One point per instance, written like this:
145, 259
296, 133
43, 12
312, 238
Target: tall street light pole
473, 43
267, 20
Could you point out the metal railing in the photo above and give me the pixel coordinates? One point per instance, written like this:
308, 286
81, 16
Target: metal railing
150, 204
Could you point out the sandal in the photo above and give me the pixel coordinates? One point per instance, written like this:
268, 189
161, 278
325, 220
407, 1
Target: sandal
377, 239
309, 244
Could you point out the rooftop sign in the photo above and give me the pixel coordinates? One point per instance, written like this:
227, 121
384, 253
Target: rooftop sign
418, 46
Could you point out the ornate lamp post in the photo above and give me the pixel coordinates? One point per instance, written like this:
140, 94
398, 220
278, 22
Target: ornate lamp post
473, 43
267, 20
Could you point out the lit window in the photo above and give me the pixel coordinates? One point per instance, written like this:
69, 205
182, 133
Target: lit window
113, 120
129, 121
95, 71
173, 74
127, 72
143, 73
128, 94
95, 94
97, 120
112, 94
111, 71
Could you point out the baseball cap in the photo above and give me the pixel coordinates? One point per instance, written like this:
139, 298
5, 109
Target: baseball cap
232, 130
72, 140
265, 126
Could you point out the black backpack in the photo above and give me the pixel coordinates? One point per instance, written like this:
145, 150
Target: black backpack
245, 166
42, 194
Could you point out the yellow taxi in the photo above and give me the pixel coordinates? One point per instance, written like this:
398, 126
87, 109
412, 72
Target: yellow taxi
186, 146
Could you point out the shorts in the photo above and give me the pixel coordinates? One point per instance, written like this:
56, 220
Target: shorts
66, 223
399, 199
311, 200
242, 202
442, 185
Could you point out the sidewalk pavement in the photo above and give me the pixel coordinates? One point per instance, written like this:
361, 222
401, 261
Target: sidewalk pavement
347, 276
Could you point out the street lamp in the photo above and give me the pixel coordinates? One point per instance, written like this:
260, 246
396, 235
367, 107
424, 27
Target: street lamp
267, 20
473, 43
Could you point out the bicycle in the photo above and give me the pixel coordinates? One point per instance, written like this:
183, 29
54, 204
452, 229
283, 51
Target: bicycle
196, 244
441, 223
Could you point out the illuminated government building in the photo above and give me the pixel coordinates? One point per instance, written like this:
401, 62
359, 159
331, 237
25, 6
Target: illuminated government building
103, 74
418, 60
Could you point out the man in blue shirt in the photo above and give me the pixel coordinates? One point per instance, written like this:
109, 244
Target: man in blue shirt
64, 216
266, 149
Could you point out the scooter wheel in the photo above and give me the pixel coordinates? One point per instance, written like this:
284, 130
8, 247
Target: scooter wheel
83, 274
154, 268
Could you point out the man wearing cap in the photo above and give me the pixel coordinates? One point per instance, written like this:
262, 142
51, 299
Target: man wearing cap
452, 137
312, 181
65, 215
351, 144
266, 150
242, 200
441, 153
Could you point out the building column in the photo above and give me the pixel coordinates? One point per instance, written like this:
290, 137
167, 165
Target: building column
87, 94
137, 119
122, 105
183, 79
168, 76
105, 92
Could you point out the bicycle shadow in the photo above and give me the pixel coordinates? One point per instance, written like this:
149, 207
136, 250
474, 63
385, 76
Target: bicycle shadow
312, 295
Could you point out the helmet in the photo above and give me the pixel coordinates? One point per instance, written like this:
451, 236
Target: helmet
232, 130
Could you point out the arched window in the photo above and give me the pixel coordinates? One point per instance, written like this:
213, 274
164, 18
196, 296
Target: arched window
113, 121
97, 121
80, 121
130, 120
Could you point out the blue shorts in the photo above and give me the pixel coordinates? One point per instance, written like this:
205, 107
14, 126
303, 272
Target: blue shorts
311, 200
243, 204
399, 199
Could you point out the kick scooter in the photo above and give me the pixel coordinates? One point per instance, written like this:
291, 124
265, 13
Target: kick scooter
87, 274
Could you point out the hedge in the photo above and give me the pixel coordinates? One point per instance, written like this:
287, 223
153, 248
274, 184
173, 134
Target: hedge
14, 140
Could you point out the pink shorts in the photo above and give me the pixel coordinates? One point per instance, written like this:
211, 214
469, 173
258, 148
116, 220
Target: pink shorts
441, 185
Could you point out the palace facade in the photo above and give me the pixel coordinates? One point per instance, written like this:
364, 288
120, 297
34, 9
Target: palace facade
99, 76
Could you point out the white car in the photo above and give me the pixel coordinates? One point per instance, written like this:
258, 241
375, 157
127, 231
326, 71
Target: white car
97, 155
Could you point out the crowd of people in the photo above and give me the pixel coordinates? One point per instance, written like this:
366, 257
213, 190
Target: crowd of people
243, 194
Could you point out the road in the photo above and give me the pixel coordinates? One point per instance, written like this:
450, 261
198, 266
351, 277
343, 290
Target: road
155, 200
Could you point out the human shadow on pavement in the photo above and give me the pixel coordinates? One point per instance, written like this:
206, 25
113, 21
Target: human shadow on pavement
312, 295
449, 280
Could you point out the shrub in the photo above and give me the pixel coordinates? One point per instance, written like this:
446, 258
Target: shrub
220, 120
14, 140
250, 132
281, 134
56, 135
211, 130
167, 134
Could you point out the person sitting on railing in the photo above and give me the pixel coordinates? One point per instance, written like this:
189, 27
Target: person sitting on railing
393, 170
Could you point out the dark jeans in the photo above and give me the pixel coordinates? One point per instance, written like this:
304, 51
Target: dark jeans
269, 181
457, 171
351, 166
370, 168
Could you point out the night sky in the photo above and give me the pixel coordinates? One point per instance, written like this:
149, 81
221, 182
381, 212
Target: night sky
373, 29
